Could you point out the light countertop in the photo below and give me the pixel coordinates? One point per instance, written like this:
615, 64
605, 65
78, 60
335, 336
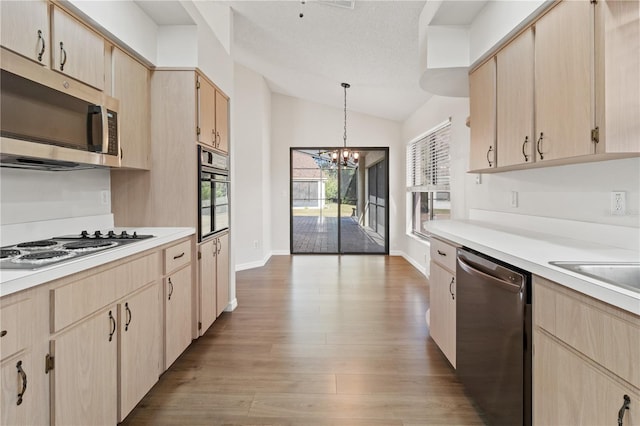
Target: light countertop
532, 251
12, 281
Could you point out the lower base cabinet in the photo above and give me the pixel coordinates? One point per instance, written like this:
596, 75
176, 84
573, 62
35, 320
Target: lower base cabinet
84, 385
177, 301
222, 274
442, 306
140, 343
18, 405
571, 391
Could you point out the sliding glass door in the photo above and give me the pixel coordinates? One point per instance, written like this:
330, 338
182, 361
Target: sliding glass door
331, 202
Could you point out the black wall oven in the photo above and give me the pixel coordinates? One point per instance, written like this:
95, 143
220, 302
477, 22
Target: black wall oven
213, 196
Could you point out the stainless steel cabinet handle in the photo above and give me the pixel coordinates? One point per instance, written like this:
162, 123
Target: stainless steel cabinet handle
526, 141
41, 39
63, 56
453, 296
625, 406
539, 146
23, 376
441, 253
488, 152
113, 326
128, 313
219, 246
170, 288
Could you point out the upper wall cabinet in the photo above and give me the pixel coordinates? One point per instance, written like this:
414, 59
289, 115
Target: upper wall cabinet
482, 91
566, 90
564, 81
617, 71
515, 101
131, 85
213, 115
25, 29
77, 51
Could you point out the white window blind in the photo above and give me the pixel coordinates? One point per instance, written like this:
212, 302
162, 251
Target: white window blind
428, 160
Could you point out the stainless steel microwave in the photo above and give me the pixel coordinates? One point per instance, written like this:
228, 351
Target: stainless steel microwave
55, 123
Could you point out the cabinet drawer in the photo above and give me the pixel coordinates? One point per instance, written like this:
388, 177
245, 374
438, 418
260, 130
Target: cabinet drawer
177, 256
604, 333
76, 300
444, 254
15, 330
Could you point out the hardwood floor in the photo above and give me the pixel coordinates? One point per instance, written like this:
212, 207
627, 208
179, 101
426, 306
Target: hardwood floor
315, 340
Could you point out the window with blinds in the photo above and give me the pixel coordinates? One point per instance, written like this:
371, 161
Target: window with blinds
428, 177
428, 160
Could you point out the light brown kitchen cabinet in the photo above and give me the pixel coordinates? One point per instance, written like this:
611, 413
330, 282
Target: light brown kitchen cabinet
84, 379
140, 343
207, 279
442, 297
131, 86
617, 70
77, 50
514, 141
585, 358
19, 403
24, 29
177, 302
482, 94
222, 273
564, 89
206, 127
222, 122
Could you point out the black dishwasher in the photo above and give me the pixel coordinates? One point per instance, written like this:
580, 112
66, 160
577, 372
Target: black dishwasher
493, 336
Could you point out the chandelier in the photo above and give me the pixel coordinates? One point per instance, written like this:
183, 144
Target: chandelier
345, 155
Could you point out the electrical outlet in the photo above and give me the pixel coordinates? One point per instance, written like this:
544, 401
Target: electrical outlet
513, 200
618, 203
478, 179
104, 197
255, 244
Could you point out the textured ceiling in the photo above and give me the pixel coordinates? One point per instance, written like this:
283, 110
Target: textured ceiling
373, 46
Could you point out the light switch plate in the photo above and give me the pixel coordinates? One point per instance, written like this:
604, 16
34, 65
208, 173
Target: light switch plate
618, 203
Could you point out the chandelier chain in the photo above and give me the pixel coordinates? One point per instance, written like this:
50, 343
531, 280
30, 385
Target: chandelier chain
345, 116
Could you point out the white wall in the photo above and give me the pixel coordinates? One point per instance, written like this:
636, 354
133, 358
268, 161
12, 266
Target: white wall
432, 113
495, 21
125, 21
299, 123
579, 192
250, 169
177, 46
29, 196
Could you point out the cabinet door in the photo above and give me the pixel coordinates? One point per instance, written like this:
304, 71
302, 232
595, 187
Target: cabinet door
482, 93
140, 347
222, 122
25, 29
206, 112
222, 273
515, 101
84, 379
208, 306
77, 51
178, 314
131, 85
570, 391
564, 87
17, 406
442, 308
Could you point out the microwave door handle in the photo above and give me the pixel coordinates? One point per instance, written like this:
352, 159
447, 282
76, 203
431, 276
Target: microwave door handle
95, 113
105, 130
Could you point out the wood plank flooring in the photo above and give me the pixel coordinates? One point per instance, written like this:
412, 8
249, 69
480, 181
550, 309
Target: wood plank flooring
315, 341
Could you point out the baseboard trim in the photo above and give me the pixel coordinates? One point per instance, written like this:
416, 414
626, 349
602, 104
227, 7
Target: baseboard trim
418, 266
232, 305
252, 265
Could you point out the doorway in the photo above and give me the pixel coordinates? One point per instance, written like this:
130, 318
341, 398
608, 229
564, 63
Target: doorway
338, 207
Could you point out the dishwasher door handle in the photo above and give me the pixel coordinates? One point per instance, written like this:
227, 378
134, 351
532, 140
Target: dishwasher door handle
486, 278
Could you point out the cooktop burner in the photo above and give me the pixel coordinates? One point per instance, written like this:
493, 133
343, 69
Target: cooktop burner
37, 244
38, 254
89, 245
44, 256
5, 253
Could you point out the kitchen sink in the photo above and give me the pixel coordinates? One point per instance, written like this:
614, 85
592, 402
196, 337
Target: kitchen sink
623, 274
